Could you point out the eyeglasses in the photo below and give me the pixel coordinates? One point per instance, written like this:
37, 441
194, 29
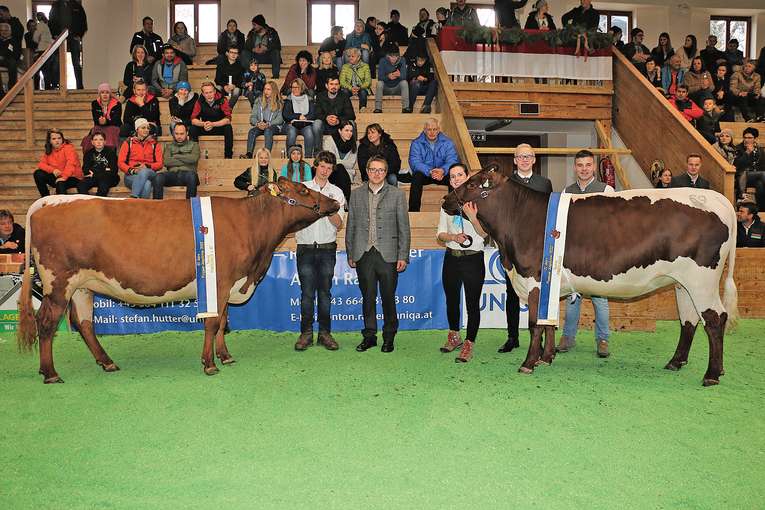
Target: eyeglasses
524, 157
376, 171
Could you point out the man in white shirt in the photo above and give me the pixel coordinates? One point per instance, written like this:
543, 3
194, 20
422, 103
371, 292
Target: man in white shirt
316, 254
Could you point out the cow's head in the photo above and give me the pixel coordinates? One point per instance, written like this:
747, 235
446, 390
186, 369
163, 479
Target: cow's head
478, 188
298, 195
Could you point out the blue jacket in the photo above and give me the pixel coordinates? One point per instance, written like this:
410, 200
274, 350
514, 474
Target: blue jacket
385, 68
666, 77
423, 158
355, 41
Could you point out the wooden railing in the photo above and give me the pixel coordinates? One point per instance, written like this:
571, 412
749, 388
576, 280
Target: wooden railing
26, 82
653, 129
452, 120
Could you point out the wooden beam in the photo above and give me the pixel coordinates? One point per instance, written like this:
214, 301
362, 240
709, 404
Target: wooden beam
62, 69
29, 114
552, 151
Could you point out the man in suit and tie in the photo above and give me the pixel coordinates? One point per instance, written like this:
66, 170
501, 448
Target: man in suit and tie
377, 240
524, 174
691, 178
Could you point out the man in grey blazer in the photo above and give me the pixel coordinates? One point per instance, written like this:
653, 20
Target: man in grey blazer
377, 241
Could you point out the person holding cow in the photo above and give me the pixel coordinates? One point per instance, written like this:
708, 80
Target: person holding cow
59, 166
211, 116
584, 167
691, 178
181, 157
140, 158
430, 156
316, 254
377, 240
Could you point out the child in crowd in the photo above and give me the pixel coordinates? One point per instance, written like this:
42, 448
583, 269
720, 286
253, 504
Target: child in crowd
99, 167
263, 173
709, 122
296, 169
181, 105
253, 82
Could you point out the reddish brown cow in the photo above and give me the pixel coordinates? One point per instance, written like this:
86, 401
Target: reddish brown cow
142, 252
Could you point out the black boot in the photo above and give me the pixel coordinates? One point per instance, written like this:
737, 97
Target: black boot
508, 346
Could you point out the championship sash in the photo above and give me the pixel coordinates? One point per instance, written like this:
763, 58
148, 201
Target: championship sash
204, 255
552, 258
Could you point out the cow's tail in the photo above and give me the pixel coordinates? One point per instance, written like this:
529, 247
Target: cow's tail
26, 334
730, 293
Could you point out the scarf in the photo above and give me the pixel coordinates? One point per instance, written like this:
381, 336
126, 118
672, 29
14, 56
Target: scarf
343, 147
178, 38
108, 108
355, 80
300, 104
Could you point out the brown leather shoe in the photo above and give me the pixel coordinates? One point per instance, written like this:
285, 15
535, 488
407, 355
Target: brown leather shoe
603, 349
466, 353
304, 341
565, 344
327, 341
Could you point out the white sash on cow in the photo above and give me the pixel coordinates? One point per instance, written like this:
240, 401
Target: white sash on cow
204, 255
552, 259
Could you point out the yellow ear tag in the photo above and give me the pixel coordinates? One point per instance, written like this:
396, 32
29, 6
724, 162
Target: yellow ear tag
273, 190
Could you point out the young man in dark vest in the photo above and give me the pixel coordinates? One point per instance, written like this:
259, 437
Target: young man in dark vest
691, 178
584, 167
212, 116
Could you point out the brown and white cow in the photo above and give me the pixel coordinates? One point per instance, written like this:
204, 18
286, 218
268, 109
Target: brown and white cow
142, 252
618, 245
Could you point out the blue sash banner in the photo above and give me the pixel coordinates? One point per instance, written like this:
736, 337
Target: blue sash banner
552, 258
204, 256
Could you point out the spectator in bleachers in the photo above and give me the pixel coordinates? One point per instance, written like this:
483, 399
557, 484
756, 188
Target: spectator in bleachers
356, 78
99, 167
422, 82
665, 179
359, 39
299, 113
725, 146
69, 14
733, 55
107, 118
14, 23
263, 44
342, 143
663, 50
377, 142
538, 19
427, 25
671, 76
505, 11
181, 157
31, 45
370, 25
42, 40
751, 231
711, 55
211, 116
326, 70
397, 32
296, 169
750, 165
745, 88
721, 91
652, 72
265, 173
59, 166
332, 108
266, 118
616, 35
709, 122
137, 69
303, 69
149, 40
691, 178
182, 105
12, 235
140, 158
183, 44
698, 81
253, 82
430, 156
334, 44
636, 51
378, 43
10, 55
229, 74
392, 80
142, 105
585, 15
442, 19
688, 52
231, 37
462, 15
690, 110
167, 73
760, 69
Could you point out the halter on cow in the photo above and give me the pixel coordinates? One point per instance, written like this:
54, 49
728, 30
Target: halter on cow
619, 245
142, 252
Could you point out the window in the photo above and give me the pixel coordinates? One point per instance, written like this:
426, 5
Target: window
201, 17
486, 15
621, 19
325, 14
45, 7
726, 28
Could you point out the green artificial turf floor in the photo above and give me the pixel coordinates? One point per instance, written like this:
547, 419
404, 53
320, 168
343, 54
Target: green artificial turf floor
412, 429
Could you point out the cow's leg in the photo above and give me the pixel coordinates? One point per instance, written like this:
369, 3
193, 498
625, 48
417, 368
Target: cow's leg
212, 324
714, 324
220, 340
689, 319
81, 314
535, 345
47, 320
549, 351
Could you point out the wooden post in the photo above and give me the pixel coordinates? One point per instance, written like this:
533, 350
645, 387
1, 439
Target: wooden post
62, 67
29, 121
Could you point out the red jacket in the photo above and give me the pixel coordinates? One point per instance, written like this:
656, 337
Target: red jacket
691, 112
64, 159
148, 153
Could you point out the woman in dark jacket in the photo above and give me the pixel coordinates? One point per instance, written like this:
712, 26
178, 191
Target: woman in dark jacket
721, 92
144, 105
303, 69
298, 113
377, 142
228, 38
182, 105
137, 69
263, 172
665, 179
107, 118
663, 51
539, 19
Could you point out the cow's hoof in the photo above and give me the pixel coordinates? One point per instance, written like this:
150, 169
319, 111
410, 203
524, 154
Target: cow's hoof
722, 372
109, 367
525, 370
673, 367
53, 380
710, 382
211, 370
228, 360
541, 362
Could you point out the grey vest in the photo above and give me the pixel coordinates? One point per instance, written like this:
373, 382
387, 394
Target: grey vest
594, 187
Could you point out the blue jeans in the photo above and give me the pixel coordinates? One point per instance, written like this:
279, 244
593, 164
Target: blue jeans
600, 304
417, 88
316, 267
268, 133
402, 89
184, 178
363, 95
141, 183
308, 138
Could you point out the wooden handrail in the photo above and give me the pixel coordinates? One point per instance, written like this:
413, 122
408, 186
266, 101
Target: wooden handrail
451, 113
604, 136
553, 151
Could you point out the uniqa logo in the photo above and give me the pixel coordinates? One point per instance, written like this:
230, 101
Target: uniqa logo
496, 271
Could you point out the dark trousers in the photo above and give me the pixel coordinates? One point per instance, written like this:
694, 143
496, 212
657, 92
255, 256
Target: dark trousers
44, 179
512, 309
748, 105
372, 271
185, 178
363, 94
316, 268
228, 137
417, 88
273, 57
12, 65
419, 180
756, 180
466, 271
75, 48
186, 59
103, 181
340, 178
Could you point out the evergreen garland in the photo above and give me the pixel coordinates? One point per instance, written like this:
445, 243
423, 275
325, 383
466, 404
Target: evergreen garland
566, 37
